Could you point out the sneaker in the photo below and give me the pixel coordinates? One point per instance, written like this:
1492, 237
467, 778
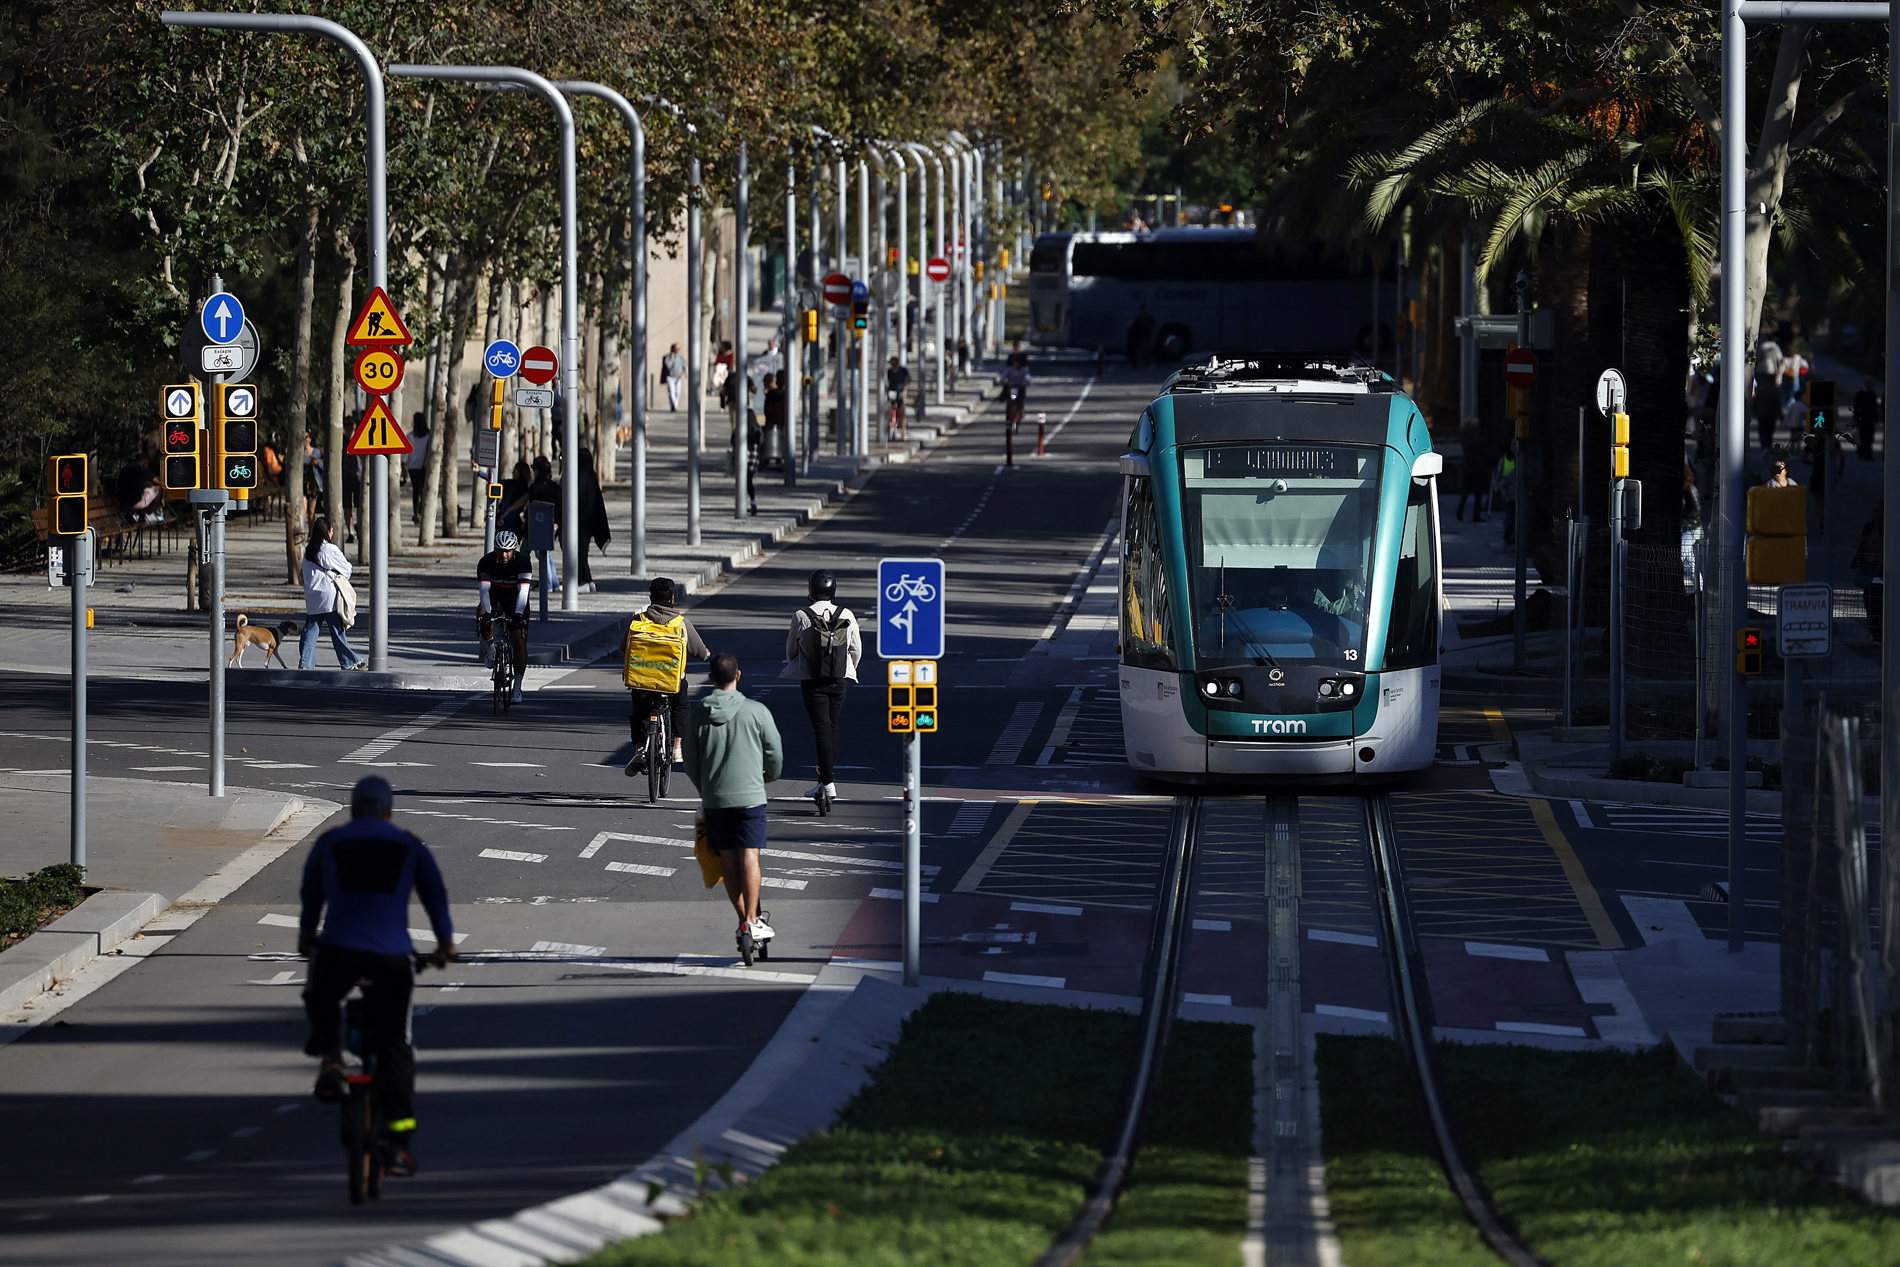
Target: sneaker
762, 931
831, 791
399, 1156
813, 792
330, 1084
679, 754
515, 697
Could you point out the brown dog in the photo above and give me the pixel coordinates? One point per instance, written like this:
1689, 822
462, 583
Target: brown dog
248, 635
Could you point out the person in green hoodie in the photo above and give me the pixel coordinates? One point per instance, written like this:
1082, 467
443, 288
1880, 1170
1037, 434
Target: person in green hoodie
732, 751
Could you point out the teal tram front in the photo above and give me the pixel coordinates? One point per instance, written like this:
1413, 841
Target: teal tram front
1280, 587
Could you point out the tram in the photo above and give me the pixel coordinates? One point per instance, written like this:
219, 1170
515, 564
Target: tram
1280, 584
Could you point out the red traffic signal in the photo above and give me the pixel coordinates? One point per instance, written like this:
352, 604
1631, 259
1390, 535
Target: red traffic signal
66, 481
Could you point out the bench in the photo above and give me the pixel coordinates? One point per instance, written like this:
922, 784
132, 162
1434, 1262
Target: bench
116, 535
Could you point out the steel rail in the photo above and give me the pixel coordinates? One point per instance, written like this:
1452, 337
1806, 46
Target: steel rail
1412, 1023
1161, 980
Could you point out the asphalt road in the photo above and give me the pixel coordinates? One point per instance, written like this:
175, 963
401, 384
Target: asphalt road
167, 1119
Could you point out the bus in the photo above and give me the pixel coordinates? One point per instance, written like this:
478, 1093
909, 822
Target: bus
1216, 289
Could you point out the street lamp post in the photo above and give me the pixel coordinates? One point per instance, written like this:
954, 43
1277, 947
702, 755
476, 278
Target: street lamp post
741, 482
695, 351
790, 389
637, 358
377, 206
570, 300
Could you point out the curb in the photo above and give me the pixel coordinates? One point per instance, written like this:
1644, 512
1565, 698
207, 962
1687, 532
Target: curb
1636, 792
95, 927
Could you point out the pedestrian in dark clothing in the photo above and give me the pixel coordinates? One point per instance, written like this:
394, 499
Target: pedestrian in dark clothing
594, 527
1474, 482
1867, 419
514, 496
822, 648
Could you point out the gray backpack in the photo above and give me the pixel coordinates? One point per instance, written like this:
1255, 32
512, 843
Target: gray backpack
825, 643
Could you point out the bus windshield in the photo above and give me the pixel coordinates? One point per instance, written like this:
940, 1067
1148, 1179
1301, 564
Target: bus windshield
1279, 539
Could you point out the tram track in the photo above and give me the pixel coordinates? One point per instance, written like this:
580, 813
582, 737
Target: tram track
1282, 1215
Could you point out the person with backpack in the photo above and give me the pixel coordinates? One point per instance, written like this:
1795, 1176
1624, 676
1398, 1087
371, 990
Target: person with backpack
822, 649
658, 643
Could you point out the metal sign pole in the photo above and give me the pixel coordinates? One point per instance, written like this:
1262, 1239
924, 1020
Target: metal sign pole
902, 298
695, 347
1520, 512
861, 343
214, 562
741, 329
841, 338
937, 237
913, 857
790, 388
376, 163
79, 571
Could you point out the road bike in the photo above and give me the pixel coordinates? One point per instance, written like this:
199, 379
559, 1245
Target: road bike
915, 587
502, 678
894, 428
367, 1152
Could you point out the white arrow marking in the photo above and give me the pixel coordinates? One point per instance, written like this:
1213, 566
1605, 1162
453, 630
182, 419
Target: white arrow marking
222, 315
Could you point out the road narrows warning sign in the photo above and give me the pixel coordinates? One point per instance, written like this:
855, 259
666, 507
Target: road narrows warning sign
378, 432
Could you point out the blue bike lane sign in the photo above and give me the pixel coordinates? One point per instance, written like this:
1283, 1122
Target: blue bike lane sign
502, 358
910, 601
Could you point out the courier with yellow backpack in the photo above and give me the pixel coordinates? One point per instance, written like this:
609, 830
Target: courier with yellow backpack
659, 642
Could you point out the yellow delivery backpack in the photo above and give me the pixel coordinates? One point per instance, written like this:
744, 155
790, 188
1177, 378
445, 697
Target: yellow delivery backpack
656, 654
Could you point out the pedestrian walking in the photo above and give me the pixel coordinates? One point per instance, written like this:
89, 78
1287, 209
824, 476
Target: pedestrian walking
822, 649
595, 530
415, 463
732, 752
673, 374
328, 601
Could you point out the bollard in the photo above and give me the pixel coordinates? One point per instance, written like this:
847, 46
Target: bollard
1042, 424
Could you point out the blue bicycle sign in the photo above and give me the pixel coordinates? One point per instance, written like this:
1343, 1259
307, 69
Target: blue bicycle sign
502, 358
910, 602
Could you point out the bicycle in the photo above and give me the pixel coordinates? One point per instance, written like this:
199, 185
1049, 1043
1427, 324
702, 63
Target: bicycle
503, 677
658, 747
367, 1153
894, 428
914, 586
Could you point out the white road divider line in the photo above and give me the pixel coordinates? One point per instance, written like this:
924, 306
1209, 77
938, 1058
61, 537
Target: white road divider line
1351, 1013
1024, 978
473, 818
1211, 1000
1045, 908
1497, 950
897, 895
1534, 1027
512, 855
272, 919
1214, 925
640, 868
1343, 939
372, 752
1087, 387
567, 948
510, 765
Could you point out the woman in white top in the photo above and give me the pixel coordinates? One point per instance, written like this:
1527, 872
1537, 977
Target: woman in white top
323, 566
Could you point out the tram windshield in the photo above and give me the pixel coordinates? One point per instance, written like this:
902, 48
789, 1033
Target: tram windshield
1279, 540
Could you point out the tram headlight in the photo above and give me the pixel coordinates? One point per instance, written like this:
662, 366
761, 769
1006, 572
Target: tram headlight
1338, 689
1210, 688
1233, 688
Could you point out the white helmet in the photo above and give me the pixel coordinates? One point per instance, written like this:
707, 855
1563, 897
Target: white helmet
505, 540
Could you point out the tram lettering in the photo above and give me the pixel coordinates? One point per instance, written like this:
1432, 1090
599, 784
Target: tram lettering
1274, 726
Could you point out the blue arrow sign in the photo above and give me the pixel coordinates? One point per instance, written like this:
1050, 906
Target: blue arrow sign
910, 601
222, 317
859, 291
502, 358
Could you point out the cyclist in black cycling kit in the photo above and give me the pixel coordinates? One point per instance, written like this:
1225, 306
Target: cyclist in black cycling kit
896, 379
661, 610
503, 569
358, 880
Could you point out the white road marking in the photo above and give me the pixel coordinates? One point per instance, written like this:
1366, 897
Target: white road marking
202, 1154
512, 855
897, 895
593, 846
1350, 1013
731, 973
1581, 813
167, 769
1214, 925
1533, 1027
867, 965
1045, 908
1211, 1000
93, 1198
773, 882
567, 948
245, 1132
1024, 978
971, 815
283, 978
1087, 387
641, 868
1495, 950
142, 1180
372, 752
272, 919
771, 851
510, 765
1008, 749
474, 818
1343, 939
289, 1106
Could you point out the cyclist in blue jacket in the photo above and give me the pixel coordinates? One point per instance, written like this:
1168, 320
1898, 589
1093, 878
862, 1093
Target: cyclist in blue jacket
358, 879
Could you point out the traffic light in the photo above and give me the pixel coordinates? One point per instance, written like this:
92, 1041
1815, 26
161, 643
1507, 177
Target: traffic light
66, 484
1776, 549
181, 409
890, 256
1821, 417
1620, 446
234, 422
811, 325
860, 314
923, 709
979, 270
497, 392
1748, 651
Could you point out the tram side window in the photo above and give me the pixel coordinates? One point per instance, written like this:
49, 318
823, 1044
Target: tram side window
1146, 640
1412, 641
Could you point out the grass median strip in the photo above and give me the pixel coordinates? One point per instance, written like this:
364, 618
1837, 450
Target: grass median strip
30, 903
1597, 1158
974, 1143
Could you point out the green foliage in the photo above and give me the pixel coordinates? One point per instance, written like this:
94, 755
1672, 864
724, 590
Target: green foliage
27, 903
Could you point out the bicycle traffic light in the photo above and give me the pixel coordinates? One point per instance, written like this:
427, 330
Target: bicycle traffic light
1748, 651
234, 416
180, 407
66, 484
860, 314
811, 325
1620, 446
496, 394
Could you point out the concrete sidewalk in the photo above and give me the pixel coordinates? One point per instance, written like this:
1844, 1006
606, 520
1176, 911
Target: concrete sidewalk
144, 630
152, 848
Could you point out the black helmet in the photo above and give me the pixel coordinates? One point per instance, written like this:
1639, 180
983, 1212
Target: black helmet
822, 585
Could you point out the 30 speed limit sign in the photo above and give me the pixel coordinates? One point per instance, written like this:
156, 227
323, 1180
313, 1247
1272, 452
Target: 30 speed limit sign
378, 372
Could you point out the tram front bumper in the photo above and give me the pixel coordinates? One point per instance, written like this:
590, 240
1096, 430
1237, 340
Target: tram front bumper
1280, 756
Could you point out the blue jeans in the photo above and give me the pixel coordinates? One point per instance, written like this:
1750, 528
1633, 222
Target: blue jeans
307, 648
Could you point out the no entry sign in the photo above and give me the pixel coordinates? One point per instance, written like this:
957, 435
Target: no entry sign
538, 365
1520, 367
938, 269
837, 289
